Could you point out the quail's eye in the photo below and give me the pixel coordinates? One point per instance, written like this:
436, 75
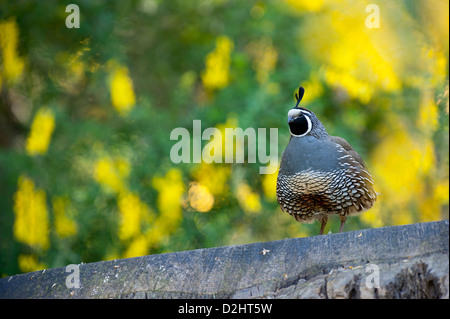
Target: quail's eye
300, 126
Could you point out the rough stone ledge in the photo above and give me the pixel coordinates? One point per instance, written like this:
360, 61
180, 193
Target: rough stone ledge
412, 261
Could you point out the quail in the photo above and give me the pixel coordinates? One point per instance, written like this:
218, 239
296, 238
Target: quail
320, 174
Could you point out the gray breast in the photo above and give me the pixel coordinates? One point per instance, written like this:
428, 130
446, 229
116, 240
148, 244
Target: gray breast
309, 153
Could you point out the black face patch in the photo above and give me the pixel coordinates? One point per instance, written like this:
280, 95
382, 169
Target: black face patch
300, 125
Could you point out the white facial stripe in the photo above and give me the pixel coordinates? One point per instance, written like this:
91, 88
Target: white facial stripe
296, 112
293, 113
305, 112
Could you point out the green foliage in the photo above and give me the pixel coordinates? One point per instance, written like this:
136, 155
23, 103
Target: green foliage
86, 115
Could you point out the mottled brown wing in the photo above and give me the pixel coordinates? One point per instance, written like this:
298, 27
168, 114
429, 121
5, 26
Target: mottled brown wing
346, 145
367, 178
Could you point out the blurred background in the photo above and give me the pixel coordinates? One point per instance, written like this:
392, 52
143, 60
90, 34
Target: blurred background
86, 115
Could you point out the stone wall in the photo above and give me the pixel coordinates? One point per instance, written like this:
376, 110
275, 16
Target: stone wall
410, 261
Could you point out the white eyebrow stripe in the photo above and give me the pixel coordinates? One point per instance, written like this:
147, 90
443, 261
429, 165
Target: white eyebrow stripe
295, 112
307, 112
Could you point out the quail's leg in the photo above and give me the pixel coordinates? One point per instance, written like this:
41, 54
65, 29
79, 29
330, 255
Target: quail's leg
343, 219
323, 221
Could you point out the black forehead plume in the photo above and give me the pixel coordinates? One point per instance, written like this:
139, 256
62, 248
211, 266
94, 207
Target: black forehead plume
299, 95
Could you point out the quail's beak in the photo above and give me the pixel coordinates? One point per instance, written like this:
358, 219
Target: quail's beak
293, 114
291, 119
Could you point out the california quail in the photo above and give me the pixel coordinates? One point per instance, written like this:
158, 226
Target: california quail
320, 174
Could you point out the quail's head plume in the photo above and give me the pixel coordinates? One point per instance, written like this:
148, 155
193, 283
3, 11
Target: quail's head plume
321, 175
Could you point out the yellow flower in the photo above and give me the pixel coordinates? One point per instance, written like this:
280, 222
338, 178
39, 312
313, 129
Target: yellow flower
430, 210
434, 60
431, 206
41, 132
29, 263
112, 173
369, 65
249, 200
306, 5
132, 214
269, 185
12, 65
121, 89
200, 198
170, 191
441, 192
138, 247
135, 219
313, 87
373, 217
218, 185
31, 225
216, 75
428, 119
402, 217
157, 233
65, 226
400, 162
401, 166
